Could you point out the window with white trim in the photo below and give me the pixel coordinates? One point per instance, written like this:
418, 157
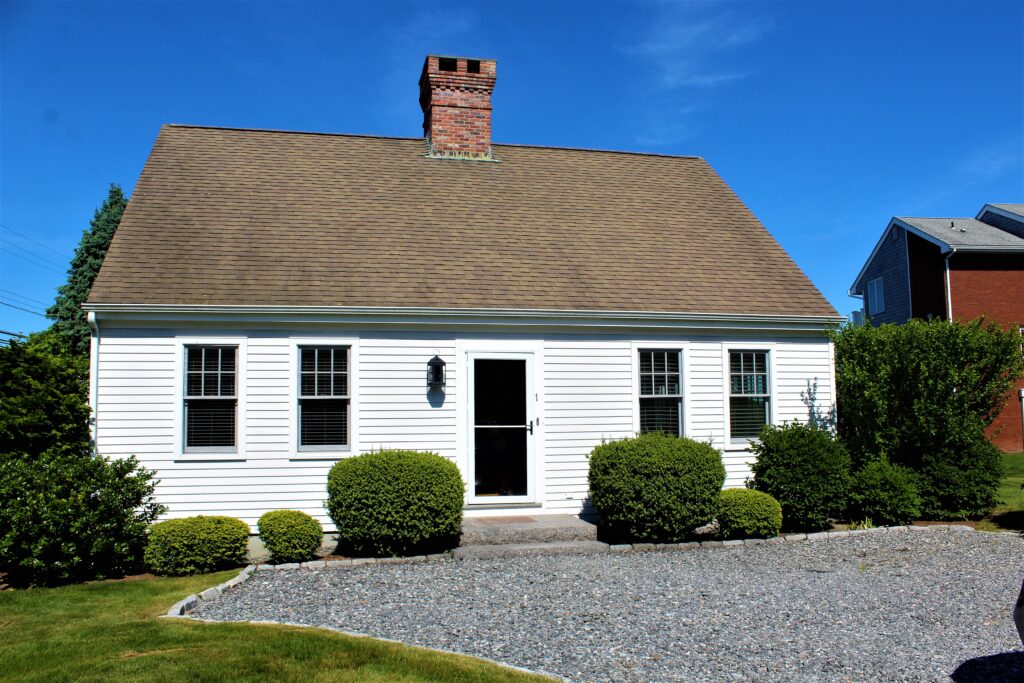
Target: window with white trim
211, 401
876, 296
323, 398
749, 394
661, 392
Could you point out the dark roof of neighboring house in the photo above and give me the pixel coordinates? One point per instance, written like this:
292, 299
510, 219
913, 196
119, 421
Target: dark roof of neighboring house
966, 233
250, 217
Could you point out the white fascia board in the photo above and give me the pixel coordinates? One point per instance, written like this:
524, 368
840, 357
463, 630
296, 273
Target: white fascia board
458, 317
878, 245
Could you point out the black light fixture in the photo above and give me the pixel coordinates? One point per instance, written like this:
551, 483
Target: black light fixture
435, 372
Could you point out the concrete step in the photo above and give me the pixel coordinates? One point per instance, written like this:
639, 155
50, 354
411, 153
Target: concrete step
526, 530
483, 552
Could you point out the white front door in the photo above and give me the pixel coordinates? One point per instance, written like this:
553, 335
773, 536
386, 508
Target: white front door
501, 427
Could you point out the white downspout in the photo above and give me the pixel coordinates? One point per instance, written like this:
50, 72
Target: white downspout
949, 290
94, 364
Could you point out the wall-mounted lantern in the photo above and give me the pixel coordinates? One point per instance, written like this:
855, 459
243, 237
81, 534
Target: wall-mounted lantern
435, 372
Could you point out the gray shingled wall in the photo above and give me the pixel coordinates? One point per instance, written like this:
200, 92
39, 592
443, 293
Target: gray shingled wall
890, 263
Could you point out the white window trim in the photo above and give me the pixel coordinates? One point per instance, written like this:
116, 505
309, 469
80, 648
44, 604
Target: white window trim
683, 348
728, 347
180, 379
873, 295
294, 375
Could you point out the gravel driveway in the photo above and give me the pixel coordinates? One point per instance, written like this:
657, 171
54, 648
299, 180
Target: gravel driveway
912, 605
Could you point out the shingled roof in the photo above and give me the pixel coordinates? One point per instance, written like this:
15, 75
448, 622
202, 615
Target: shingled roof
252, 217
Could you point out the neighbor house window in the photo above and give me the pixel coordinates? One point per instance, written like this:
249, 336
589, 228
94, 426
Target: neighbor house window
661, 397
749, 397
876, 296
323, 397
210, 397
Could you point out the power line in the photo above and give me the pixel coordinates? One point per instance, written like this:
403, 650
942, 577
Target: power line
34, 263
34, 255
4, 303
29, 239
27, 299
30, 307
13, 334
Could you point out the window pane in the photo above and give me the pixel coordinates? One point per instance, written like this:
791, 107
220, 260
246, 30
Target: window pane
324, 422
659, 361
646, 385
323, 360
646, 361
308, 387
340, 384
195, 359
308, 360
660, 415
659, 385
746, 416
227, 384
341, 360
672, 360
227, 360
210, 381
672, 387
323, 383
209, 423
211, 360
194, 384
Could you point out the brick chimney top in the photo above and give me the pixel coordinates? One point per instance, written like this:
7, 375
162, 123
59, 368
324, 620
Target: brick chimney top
455, 95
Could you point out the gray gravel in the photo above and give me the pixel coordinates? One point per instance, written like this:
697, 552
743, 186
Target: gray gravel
913, 605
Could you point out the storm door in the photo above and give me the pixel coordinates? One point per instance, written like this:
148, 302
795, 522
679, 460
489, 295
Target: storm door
501, 429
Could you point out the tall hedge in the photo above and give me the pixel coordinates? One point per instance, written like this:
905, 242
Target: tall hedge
922, 395
655, 487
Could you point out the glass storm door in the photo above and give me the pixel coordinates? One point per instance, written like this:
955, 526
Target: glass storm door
502, 424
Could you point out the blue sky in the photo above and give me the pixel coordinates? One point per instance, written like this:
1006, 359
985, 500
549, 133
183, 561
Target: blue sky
826, 118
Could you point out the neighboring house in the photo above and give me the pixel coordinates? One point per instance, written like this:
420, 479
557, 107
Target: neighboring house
953, 269
275, 301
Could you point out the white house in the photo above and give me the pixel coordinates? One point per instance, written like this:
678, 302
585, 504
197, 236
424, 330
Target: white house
272, 301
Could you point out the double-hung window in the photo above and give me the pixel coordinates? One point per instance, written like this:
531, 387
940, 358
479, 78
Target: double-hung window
749, 394
661, 392
323, 397
876, 296
211, 401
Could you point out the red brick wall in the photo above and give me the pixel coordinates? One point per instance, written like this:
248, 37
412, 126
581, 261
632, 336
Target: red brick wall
457, 107
993, 286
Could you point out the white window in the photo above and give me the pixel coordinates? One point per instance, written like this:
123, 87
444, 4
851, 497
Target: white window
661, 397
876, 296
323, 398
749, 394
211, 401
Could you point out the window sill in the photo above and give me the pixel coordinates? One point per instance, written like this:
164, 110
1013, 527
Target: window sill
209, 457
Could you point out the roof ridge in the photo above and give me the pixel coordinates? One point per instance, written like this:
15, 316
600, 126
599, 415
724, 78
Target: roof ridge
398, 137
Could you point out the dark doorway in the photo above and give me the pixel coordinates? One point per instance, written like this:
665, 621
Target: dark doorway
500, 428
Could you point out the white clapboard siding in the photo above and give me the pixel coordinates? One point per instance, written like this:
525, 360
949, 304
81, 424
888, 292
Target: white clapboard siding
586, 396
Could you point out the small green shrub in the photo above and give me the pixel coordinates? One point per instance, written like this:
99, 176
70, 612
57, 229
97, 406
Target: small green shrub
806, 470
655, 487
290, 535
744, 513
196, 545
396, 502
960, 483
885, 494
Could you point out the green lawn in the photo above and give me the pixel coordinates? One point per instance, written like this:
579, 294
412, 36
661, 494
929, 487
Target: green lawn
111, 631
1009, 513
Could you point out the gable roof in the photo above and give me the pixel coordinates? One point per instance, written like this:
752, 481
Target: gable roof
965, 234
232, 217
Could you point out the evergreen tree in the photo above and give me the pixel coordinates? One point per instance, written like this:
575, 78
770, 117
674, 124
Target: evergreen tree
69, 319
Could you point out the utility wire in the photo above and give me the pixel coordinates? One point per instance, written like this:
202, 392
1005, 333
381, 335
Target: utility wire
34, 255
41, 315
13, 334
30, 307
29, 239
34, 263
27, 299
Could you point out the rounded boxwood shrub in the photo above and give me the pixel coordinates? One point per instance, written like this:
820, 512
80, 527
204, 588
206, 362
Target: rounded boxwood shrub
960, 482
884, 494
655, 487
744, 513
807, 470
196, 545
290, 535
395, 502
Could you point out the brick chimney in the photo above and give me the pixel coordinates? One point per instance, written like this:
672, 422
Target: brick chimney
455, 94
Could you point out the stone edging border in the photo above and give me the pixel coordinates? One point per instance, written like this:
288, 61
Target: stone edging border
183, 607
